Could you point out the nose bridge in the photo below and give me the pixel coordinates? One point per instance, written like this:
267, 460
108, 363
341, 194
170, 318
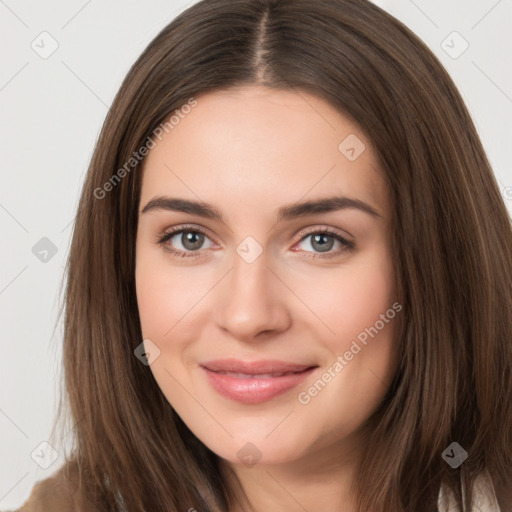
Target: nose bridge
251, 301
249, 275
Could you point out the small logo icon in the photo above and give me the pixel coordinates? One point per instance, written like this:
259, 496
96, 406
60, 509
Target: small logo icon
44, 250
351, 147
44, 455
249, 454
147, 352
44, 45
249, 250
454, 45
455, 455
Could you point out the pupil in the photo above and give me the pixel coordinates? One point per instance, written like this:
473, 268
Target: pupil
322, 238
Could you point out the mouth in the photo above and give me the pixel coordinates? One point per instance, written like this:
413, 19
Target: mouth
253, 382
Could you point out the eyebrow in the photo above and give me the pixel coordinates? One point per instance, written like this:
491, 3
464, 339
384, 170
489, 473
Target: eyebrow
322, 205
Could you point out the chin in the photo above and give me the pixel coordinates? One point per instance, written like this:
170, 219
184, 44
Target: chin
256, 447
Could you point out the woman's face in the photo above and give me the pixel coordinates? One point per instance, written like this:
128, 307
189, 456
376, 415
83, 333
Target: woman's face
271, 337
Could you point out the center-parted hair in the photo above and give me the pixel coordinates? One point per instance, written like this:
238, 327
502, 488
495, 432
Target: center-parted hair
452, 250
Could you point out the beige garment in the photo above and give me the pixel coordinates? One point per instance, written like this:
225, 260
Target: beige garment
485, 497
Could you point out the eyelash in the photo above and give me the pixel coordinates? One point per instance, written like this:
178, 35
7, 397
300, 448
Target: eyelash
347, 245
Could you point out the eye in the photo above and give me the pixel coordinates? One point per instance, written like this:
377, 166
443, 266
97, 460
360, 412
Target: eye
323, 240
190, 239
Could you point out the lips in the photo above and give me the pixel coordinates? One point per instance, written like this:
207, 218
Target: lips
268, 366
253, 382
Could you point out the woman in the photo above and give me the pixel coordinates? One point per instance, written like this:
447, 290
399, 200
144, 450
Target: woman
289, 285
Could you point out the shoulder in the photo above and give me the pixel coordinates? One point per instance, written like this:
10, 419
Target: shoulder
58, 493
485, 497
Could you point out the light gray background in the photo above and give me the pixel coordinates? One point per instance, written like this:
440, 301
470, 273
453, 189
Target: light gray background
52, 111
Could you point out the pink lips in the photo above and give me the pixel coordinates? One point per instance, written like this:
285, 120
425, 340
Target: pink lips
253, 382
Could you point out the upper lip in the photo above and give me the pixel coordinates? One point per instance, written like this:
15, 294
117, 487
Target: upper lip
254, 367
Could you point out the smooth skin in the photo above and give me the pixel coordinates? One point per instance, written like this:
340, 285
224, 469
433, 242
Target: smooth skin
248, 152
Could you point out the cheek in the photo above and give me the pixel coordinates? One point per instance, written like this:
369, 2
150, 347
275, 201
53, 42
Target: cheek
355, 306
368, 296
360, 360
167, 303
155, 299
345, 301
166, 293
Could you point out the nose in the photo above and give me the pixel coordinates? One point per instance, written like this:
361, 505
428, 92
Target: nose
252, 302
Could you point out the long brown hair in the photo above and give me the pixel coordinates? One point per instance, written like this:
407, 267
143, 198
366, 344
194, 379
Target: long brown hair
451, 235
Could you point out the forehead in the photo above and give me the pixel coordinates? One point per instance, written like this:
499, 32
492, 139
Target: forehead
260, 147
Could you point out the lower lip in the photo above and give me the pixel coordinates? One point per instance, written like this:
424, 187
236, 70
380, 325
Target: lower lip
254, 390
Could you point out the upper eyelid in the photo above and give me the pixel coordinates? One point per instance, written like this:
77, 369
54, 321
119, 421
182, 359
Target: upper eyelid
178, 229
